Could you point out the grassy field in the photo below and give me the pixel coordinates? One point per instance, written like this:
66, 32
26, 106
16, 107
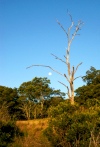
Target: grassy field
33, 134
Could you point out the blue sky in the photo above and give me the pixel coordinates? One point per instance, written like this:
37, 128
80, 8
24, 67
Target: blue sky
29, 34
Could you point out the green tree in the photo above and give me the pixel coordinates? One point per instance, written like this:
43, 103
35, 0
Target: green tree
35, 88
92, 76
8, 111
89, 93
8, 101
7, 94
34, 92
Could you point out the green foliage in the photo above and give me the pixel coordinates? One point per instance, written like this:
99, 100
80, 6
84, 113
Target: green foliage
92, 76
54, 101
34, 88
29, 101
8, 131
4, 114
32, 97
91, 91
7, 93
31, 91
71, 126
8, 102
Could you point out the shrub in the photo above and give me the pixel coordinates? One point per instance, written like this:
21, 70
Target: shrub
8, 131
70, 126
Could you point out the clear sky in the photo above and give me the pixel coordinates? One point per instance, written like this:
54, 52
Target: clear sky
29, 34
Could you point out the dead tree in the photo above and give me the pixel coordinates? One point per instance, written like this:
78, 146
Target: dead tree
70, 77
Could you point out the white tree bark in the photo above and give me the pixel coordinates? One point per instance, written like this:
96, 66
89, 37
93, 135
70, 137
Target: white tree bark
70, 77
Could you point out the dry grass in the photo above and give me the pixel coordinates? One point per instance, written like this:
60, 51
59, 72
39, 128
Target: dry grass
33, 130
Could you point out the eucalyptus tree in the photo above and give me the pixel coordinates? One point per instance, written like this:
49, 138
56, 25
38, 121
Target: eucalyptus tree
90, 92
33, 93
8, 102
70, 76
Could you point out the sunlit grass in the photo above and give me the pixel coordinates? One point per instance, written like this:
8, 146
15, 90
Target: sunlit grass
33, 134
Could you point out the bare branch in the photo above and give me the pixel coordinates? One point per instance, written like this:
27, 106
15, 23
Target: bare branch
77, 77
71, 20
58, 58
69, 40
69, 69
77, 67
69, 30
63, 84
72, 72
72, 23
76, 34
47, 67
70, 33
66, 78
77, 28
66, 87
65, 58
70, 16
62, 28
68, 92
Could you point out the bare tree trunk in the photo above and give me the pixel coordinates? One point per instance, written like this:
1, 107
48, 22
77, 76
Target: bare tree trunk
26, 108
35, 112
72, 93
42, 104
71, 73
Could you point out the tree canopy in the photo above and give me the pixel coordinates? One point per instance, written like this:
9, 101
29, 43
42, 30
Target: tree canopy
91, 90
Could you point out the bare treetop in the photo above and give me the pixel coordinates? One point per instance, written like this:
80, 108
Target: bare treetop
70, 76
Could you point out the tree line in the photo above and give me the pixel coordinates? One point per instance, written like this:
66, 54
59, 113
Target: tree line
31, 100
69, 125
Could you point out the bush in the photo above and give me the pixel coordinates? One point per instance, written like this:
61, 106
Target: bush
70, 126
8, 131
